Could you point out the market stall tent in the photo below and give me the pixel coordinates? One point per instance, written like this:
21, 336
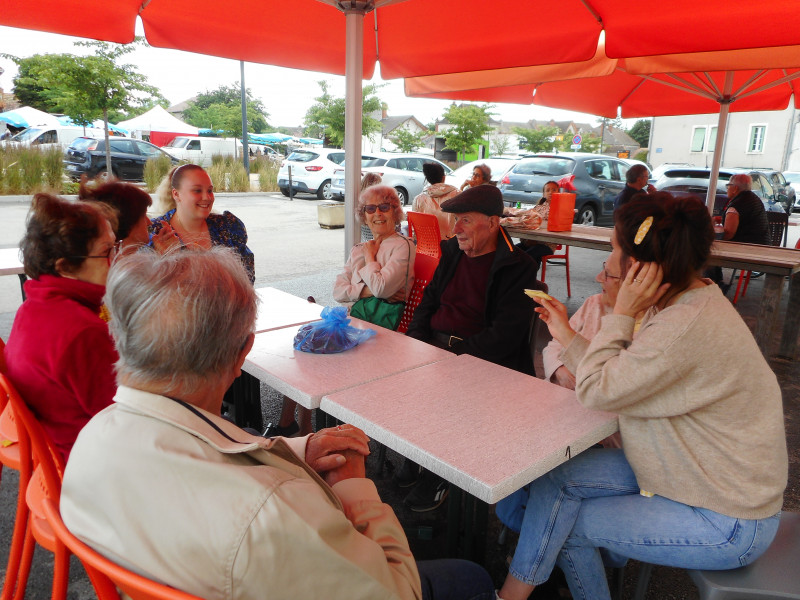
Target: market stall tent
158, 126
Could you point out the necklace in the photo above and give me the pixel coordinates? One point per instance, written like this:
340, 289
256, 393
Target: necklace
201, 239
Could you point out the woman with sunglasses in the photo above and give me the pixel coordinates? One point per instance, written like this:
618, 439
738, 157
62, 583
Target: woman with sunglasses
59, 354
187, 197
383, 266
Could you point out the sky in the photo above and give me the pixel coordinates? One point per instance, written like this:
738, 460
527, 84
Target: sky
286, 93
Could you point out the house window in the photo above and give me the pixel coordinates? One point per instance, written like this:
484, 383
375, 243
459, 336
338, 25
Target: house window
712, 138
757, 134
698, 139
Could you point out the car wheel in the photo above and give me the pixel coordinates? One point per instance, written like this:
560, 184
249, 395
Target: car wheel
587, 216
285, 191
402, 194
324, 191
103, 175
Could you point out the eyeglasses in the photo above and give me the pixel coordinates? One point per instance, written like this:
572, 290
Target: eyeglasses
109, 256
371, 208
608, 275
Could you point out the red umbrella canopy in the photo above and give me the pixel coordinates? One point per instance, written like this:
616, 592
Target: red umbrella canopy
419, 37
411, 37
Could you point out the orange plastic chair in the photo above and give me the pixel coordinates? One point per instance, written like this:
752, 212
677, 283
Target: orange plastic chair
106, 576
556, 255
426, 228
424, 267
41, 453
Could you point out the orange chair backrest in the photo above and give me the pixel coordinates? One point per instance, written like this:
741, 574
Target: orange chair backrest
426, 228
107, 576
424, 267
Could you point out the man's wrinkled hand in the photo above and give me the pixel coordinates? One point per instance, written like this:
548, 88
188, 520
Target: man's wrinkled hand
352, 468
328, 448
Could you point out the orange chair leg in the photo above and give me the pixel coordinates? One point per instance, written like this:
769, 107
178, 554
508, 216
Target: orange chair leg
742, 278
17, 549
25, 563
746, 283
544, 269
60, 573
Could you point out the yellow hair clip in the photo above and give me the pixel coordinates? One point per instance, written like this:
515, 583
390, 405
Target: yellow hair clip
643, 229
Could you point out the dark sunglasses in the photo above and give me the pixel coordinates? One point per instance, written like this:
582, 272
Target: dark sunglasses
371, 208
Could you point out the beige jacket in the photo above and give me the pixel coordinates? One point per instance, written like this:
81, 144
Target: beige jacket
700, 410
189, 499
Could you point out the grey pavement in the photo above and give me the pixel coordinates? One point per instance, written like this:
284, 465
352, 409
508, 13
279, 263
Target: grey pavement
297, 256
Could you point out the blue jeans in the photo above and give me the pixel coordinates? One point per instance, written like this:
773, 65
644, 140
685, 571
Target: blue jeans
592, 501
454, 579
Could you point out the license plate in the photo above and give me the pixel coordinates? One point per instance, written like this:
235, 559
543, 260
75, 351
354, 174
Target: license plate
72, 168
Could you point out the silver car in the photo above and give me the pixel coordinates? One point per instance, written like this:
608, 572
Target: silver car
403, 172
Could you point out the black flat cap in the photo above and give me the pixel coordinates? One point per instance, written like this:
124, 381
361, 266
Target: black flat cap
486, 199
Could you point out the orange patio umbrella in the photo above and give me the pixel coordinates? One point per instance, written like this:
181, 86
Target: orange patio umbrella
411, 37
676, 84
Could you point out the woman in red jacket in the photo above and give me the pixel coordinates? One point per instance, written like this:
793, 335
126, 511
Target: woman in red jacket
60, 355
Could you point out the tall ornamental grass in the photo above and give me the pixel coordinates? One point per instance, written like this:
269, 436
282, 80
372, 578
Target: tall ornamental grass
155, 169
25, 170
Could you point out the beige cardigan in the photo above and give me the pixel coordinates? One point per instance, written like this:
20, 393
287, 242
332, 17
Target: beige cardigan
700, 410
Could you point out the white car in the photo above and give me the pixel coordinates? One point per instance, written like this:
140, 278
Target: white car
312, 171
499, 167
403, 172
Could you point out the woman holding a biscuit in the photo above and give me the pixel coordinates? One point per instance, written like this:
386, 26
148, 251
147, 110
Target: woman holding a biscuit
700, 481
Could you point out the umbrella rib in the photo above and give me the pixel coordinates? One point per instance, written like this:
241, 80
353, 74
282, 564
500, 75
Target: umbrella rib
771, 84
686, 87
593, 12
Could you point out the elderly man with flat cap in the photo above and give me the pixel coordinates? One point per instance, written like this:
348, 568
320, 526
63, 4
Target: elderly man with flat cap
475, 305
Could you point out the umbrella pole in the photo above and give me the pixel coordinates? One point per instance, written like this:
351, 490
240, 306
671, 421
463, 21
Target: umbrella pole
354, 72
722, 123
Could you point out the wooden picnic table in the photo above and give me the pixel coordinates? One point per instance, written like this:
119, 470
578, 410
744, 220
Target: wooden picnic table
775, 262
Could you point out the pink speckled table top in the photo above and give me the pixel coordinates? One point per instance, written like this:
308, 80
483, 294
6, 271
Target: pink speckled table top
487, 429
278, 309
306, 378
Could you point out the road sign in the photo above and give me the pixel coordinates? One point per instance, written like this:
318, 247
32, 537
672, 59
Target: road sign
575, 146
576, 141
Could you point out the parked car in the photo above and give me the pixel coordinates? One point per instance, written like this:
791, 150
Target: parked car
785, 194
128, 157
793, 179
53, 137
403, 172
200, 150
337, 183
664, 167
598, 179
694, 180
499, 167
312, 171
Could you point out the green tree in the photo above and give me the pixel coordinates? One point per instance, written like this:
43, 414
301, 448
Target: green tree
87, 87
500, 144
29, 83
541, 139
589, 143
220, 117
641, 132
470, 123
406, 140
229, 96
325, 118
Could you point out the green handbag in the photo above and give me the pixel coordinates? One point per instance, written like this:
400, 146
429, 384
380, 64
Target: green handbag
378, 311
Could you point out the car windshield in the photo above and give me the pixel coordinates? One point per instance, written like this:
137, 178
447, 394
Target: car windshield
27, 135
303, 156
545, 165
178, 142
82, 143
375, 162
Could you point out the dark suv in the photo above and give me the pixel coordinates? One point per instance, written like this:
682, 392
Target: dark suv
128, 156
598, 179
694, 180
